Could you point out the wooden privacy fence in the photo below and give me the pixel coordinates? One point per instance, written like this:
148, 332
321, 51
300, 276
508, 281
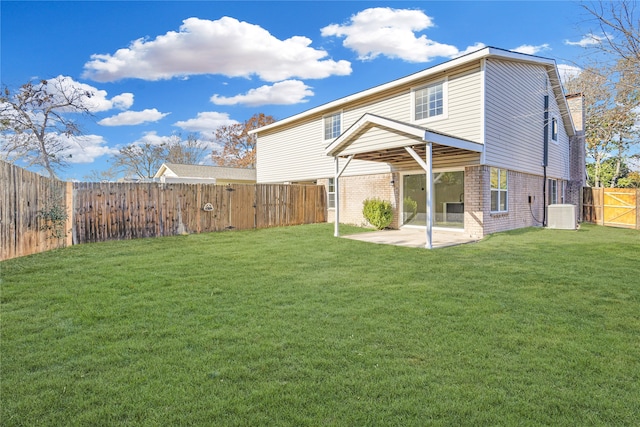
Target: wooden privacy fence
24, 196
616, 207
116, 211
113, 211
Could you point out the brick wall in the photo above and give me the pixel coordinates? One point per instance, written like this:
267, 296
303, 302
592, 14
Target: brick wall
577, 155
356, 189
479, 221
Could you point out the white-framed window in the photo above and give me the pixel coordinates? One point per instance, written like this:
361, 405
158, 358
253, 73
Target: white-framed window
552, 191
430, 101
331, 193
332, 125
554, 129
499, 190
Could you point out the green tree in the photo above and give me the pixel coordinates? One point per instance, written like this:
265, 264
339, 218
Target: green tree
611, 112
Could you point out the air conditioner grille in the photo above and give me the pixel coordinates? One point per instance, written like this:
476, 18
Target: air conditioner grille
562, 217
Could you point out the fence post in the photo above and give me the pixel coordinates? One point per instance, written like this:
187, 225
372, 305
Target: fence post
68, 226
638, 209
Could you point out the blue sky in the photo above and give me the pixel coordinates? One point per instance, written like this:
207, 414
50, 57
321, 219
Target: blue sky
166, 67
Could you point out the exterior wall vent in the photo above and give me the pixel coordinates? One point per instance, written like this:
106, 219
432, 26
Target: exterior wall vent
562, 217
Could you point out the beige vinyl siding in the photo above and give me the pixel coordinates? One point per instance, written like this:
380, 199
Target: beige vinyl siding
464, 118
378, 139
559, 162
515, 119
295, 152
394, 105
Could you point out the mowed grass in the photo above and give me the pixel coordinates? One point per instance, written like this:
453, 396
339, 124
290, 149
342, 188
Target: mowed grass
291, 326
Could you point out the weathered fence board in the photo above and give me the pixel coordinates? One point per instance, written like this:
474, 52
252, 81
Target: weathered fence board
116, 211
120, 211
616, 207
23, 196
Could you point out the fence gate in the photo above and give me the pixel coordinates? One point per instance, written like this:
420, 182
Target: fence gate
616, 207
620, 207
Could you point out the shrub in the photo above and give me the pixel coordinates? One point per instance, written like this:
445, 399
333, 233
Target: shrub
378, 213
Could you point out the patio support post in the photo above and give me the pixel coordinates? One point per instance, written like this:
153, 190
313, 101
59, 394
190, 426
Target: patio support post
429, 172
427, 166
336, 187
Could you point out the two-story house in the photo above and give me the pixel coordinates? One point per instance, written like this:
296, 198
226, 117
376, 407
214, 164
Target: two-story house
480, 144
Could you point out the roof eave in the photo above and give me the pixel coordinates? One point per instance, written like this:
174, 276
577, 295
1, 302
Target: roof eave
470, 57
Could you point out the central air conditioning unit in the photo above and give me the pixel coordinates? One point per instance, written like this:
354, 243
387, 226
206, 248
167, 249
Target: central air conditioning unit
562, 217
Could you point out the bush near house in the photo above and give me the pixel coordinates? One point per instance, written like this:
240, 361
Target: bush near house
378, 213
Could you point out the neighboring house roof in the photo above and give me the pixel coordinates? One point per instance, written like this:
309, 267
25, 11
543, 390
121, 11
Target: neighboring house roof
486, 52
176, 170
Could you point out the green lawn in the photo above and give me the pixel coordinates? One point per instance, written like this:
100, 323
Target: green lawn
291, 326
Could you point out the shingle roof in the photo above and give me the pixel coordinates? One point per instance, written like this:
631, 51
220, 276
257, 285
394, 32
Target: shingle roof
218, 172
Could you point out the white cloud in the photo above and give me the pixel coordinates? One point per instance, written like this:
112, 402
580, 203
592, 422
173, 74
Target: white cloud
283, 93
226, 46
97, 101
86, 148
130, 118
123, 101
568, 72
390, 32
152, 138
205, 122
589, 40
532, 50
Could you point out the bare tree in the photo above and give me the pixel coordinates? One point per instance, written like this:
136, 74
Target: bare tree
35, 122
619, 24
142, 161
191, 151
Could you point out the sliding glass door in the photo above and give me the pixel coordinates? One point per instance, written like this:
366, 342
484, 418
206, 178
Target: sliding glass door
448, 202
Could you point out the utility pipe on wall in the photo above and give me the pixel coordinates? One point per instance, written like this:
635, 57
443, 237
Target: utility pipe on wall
545, 160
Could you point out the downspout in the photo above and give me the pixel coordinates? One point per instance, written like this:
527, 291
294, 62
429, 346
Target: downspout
545, 160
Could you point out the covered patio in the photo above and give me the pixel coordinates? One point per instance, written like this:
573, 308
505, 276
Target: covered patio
380, 139
413, 237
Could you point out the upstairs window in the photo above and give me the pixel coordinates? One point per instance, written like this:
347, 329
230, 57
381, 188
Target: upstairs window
332, 126
499, 190
429, 101
554, 129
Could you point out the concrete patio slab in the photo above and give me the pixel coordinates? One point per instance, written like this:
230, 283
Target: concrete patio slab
413, 237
